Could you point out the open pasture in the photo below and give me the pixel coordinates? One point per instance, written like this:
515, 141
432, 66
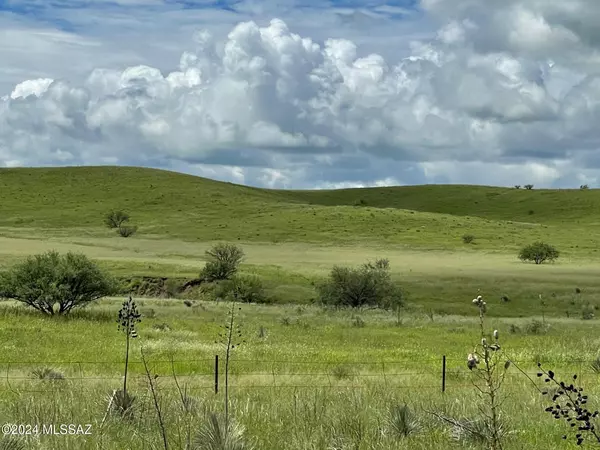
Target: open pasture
305, 377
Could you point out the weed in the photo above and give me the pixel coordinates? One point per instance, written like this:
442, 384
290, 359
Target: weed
573, 409
342, 372
401, 421
47, 373
358, 322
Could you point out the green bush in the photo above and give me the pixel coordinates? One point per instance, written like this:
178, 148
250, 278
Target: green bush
223, 262
367, 285
245, 289
43, 281
114, 219
538, 252
126, 230
468, 238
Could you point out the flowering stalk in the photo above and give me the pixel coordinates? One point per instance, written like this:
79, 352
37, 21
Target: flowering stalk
490, 377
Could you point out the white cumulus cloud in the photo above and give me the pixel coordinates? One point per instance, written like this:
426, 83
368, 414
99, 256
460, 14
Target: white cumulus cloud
504, 89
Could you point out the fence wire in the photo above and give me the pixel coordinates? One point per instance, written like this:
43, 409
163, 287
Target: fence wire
208, 373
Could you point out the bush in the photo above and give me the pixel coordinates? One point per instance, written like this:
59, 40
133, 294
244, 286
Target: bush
368, 285
584, 186
468, 238
115, 219
587, 312
42, 281
223, 262
536, 327
538, 252
245, 289
126, 231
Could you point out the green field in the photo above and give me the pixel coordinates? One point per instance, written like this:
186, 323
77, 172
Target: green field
307, 377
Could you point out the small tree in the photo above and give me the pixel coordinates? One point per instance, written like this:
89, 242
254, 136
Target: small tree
115, 219
42, 281
584, 186
368, 285
517, 186
528, 187
223, 262
538, 252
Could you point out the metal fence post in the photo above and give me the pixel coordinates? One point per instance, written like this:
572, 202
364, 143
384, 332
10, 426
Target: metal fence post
444, 373
216, 374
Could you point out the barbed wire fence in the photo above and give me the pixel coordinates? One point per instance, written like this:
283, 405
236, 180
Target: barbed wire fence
442, 374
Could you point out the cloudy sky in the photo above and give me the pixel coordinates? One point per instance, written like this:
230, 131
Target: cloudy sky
307, 93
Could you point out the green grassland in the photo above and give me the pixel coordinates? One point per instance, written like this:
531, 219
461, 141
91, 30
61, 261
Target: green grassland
293, 238
306, 377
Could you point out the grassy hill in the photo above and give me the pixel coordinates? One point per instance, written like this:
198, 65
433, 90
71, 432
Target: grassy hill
172, 205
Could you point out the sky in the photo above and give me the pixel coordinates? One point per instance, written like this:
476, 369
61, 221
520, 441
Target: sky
307, 94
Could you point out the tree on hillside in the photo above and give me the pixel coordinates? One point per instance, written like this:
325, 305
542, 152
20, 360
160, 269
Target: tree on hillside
115, 219
44, 281
529, 187
538, 252
118, 220
223, 262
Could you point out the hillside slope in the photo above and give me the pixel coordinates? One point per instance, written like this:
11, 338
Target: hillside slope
494, 203
168, 204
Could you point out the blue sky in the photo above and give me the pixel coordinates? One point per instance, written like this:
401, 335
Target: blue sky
286, 93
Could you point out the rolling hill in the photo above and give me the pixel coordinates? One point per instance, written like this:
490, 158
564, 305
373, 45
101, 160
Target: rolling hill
172, 205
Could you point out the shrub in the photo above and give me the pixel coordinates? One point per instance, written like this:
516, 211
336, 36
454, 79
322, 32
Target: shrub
46, 373
595, 365
368, 285
584, 186
528, 187
538, 252
342, 372
587, 312
358, 322
115, 219
468, 238
536, 327
286, 321
360, 202
401, 421
126, 230
223, 262
244, 289
42, 281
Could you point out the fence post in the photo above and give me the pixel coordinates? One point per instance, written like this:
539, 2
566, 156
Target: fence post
216, 374
444, 373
